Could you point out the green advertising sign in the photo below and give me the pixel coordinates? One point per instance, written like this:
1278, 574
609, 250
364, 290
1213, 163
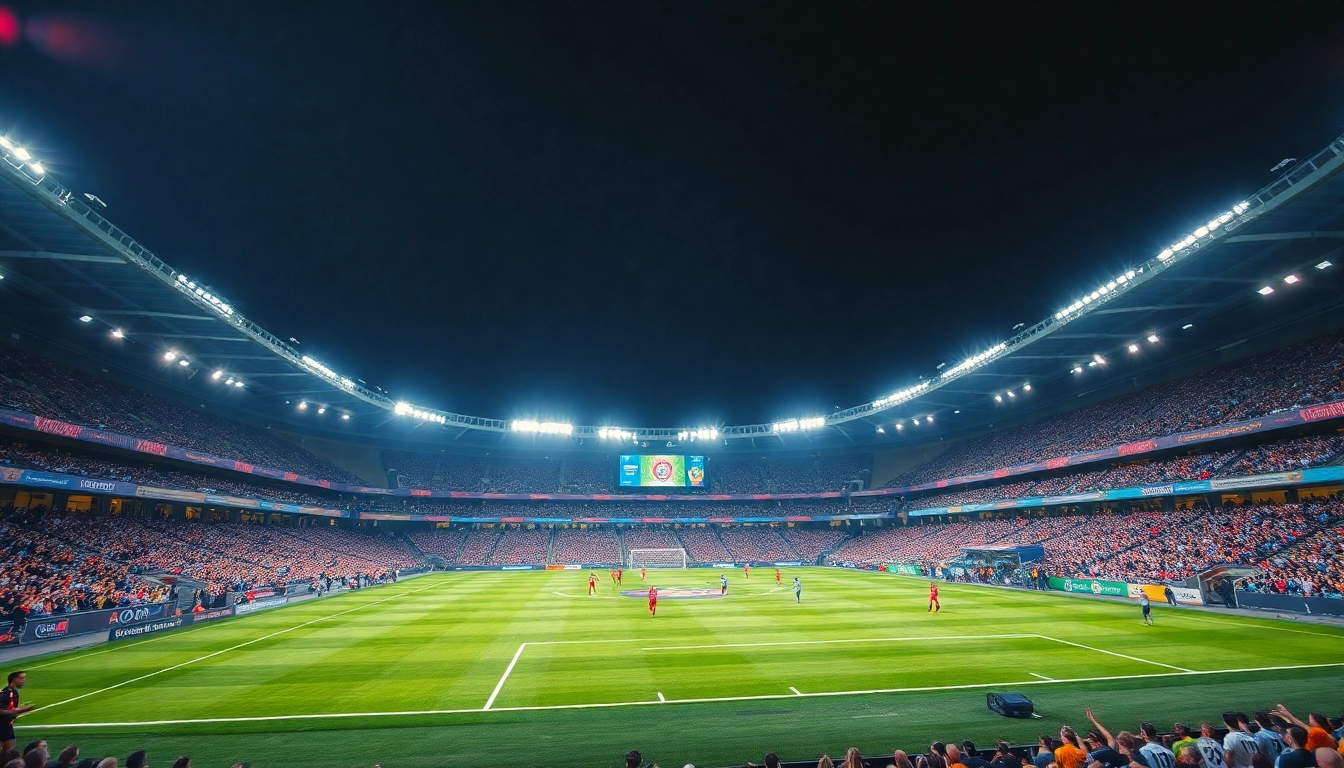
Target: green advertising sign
1091, 586
909, 569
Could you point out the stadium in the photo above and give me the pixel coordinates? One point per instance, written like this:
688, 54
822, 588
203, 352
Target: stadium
218, 543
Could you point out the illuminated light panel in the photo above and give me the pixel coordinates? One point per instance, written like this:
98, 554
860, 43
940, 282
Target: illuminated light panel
1289, 280
85, 319
1133, 348
1154, 338
1265, 291
1324, 265
118, 334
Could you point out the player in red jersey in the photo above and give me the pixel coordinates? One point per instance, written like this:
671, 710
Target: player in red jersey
653, 601
934, 605
592, 583
642, 574
613, 579
620, 576
777, 581
746, 570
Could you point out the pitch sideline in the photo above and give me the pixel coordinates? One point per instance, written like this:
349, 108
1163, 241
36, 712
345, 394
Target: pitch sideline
707, 700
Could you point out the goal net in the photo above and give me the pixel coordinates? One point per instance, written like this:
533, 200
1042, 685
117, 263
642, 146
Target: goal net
657, 558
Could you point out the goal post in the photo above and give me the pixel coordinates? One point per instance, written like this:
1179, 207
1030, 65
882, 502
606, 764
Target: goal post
657, 558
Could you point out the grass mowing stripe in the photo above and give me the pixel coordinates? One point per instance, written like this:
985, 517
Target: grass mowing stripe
842, 640
1113, 653
706, 700
230, 648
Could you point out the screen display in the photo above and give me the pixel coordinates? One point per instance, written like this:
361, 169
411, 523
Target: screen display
638, 471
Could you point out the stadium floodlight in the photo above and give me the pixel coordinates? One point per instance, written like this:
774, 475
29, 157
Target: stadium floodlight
345, 417
170, 356
1289, 280
998, 398
975, 360
322, 409
237, 383
117, 333
1265, 291
228, 380
899, 425
21, 153
1025, 388
184, 362
1098, 359
85, 319
1077, 369
1153, 338
543, 427
6, 143
915, 422
1133, 348
1187, 326
217, 374
1324, 265
1164, 255
303, 406
1010, 393
903, 395
929, 418
37, 169
1092, 364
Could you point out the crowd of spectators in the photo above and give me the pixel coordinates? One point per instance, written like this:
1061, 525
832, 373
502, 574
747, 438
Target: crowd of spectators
587, 545
703, 545
1295, 376
1311, 567
757, 543
34, 385
796, 474
521, 546
1296, 453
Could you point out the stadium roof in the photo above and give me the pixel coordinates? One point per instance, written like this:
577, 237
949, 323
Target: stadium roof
75, 280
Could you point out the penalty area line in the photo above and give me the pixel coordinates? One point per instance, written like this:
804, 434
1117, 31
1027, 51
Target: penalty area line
1113, 653
500, 685
707, 700
1043, 677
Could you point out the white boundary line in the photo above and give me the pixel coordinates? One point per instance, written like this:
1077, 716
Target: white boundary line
706, 700
233, 648
1043, 677
1264, 626
1113, 653
500, 684
661, 700
796, 692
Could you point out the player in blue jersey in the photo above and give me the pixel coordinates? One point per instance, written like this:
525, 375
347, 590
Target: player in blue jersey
1147, 609
723, 585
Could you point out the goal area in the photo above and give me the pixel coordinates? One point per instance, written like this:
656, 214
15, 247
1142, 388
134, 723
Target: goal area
657, 558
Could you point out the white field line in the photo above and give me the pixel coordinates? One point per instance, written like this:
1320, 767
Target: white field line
119, 646
507, 671
706, 700
1113, 653
884, 714
796, 692
1043, 677
833, 642
660, 697
233, 648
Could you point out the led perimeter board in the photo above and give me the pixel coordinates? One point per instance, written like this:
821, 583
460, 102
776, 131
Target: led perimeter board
640, 471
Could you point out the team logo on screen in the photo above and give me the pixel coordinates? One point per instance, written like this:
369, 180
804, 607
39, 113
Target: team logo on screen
662, 470
695, 474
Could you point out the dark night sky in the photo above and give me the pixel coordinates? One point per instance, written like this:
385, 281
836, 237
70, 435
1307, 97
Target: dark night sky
663, 214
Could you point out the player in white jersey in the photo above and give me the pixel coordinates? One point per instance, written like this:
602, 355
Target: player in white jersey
1157, 755
1208, 745
1238, 745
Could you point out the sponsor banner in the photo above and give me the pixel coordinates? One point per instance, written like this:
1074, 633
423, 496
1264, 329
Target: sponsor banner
211, 615
259, 605
1157, 593
909, 569
1256, 481
1326, 411
789, 564
1157, 490
134, 614
562, 568
148, 628
45, 480
1316, 606
253, 594
1074, 498
172, 494
516, 568
725, 565
50, 629
1090, 586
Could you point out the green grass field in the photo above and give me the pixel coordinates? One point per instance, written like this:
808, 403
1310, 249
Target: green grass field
494, 668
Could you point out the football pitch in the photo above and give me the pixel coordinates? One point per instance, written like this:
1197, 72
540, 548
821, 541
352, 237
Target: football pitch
525, 668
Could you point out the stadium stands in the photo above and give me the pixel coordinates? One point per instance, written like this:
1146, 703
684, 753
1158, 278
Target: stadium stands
594, 545
1313, 566
521, 546
1294, 376
35, 385
756, 543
